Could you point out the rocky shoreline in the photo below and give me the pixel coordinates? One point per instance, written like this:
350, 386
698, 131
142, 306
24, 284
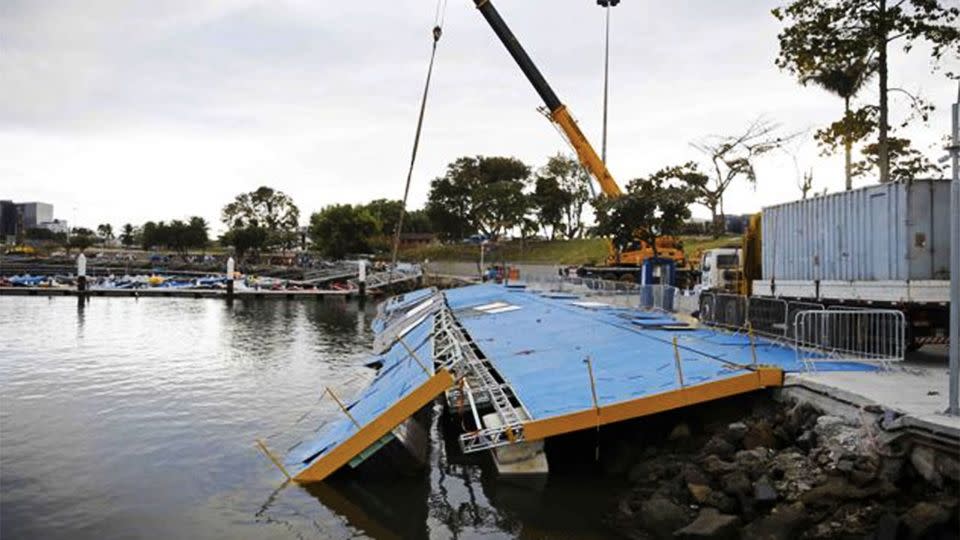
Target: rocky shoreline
784, 471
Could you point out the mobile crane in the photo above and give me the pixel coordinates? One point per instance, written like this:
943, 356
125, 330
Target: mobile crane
622, 265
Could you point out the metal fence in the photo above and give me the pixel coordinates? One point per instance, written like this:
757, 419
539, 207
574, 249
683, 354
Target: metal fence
811, 329
768, 316
859, 334
795, 307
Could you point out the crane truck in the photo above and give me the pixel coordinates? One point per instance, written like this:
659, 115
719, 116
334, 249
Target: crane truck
621, 265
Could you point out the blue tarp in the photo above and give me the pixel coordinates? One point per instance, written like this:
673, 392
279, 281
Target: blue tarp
540, 350
397, 378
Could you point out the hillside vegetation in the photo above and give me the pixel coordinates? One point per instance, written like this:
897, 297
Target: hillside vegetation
572, 252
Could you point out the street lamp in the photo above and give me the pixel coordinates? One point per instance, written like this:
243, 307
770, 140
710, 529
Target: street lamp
606, 5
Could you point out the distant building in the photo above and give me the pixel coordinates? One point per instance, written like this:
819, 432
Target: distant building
412, 239
35, 213
8, 222
56, 226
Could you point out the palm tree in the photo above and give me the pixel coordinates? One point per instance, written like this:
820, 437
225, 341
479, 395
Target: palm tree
845, 80
127, 237
105, 231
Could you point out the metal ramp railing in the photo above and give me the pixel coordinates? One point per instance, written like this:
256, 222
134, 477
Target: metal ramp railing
396, 325
378, 280
456, 352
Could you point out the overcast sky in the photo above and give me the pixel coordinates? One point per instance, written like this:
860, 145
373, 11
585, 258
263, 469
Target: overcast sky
118, 111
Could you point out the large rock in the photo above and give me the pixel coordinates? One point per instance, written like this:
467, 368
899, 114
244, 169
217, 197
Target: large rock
924, 460
806, 440
754, 462
719, 446
716, 466
661, 516
760, 435
795, 474
710, 524
837, 489
836, 436
949, 467
699, 492
924, 518
736, 483
764, 492
693, 475
785, 522
721, 501
736, 431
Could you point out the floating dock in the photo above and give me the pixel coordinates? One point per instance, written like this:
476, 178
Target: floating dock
528, 365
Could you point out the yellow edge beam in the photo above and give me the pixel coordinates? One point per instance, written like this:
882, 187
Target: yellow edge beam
328, 463
763, 377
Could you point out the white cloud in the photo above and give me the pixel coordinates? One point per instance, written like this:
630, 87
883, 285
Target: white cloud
135, 111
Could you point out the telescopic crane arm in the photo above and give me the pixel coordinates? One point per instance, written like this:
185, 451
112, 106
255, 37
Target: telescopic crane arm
558, 111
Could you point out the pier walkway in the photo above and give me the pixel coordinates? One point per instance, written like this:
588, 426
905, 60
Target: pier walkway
542, 364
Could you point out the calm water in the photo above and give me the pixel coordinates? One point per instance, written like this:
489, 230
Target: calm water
129, 418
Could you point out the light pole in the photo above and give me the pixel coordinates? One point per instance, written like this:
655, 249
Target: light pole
954, 406
606, 5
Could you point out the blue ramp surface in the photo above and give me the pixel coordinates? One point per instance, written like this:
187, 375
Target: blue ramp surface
539, 344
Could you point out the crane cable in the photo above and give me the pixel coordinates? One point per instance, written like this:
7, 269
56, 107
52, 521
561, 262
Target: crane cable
438, 20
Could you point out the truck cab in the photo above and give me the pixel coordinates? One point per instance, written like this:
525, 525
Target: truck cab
720, 269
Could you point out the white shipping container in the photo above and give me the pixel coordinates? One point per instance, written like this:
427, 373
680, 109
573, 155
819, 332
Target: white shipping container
884, 232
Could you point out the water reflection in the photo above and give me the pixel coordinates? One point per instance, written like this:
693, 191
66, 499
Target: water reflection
135, 418
457, 497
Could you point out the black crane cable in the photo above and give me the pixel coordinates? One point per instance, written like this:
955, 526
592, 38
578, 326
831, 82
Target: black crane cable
437, 32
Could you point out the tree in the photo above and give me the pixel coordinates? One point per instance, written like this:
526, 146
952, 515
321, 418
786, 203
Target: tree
550, 202
342, 229
246, 239
731, 157
148, 235
45, 235
805, 183
652, 207
501, 206
197, 233
81, 238
387, 213
267, 208
575, 182
845, 79
418, 221
466, 199
128, 235
105, 231
906, 163
821, 34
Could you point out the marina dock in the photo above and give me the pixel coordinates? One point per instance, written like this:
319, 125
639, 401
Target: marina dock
488, 349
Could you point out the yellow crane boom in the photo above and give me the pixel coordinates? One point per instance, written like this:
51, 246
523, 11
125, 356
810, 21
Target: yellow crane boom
558, 111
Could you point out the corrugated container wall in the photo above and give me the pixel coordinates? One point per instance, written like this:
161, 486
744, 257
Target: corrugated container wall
898, 231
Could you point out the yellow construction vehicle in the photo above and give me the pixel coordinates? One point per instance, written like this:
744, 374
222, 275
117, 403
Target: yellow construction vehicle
622, 265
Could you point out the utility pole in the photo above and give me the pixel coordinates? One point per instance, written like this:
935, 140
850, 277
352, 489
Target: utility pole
954, 408
606, 5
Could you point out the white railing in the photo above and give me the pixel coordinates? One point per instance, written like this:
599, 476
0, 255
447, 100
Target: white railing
872, 335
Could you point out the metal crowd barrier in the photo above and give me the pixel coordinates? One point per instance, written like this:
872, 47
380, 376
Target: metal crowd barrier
810, 328
730, 310
861, 334
795, 307
768, 316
